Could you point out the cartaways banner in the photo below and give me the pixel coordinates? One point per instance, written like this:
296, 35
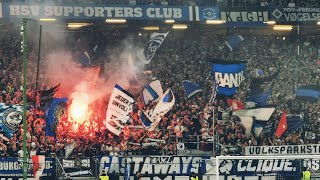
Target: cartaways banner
158, 166
36, 11
228, 75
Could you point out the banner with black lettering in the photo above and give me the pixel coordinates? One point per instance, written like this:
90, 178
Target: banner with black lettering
310, 149
256, 167
12, 167
231, 15
289, 14
228, 75
92, 11
78, 167
156, 166
119, 108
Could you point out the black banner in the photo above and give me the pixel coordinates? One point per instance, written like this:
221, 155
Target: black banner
78, 167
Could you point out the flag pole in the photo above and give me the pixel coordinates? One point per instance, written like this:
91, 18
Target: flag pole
24, 50
38, 66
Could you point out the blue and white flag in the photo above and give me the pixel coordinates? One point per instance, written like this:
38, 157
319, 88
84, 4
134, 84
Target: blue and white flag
54, 114
10, 119
119, 108
260, 113
191, 88
85, 59
146, 54
294, 123
152, 92
234, 42
228, 76
308, 93
262, 127
150, 119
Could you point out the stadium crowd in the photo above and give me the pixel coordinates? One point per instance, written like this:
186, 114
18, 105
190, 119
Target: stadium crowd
178, 59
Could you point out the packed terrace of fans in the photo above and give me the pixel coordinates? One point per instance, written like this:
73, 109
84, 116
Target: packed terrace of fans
178, 59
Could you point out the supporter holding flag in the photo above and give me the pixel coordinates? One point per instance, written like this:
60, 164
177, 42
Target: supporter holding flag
55, 113
282, 126
234, 42
308, 93
146, 54
152, 92
228, 75
191, 88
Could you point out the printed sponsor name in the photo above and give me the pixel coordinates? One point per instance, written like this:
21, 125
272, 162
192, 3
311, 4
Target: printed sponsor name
245, 16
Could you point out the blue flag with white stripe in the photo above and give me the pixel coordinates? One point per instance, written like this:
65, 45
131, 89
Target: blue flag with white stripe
10, 119
54, 114
127, 172
234, 42
152, 92
308, 93
228, 75
191, 88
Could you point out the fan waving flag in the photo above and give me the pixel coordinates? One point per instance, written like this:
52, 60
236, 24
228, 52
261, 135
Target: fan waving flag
282, 126
191, 88
48, 94
146, 54
234, 42
151, 119
152, 91
260, 113
235, 104
228, 75
308, 93
85, 59
119, 108
54, 114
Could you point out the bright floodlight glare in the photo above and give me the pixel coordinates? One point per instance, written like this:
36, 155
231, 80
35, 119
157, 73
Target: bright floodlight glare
47, 19
215, 22
170, 21
179, 26
116, 20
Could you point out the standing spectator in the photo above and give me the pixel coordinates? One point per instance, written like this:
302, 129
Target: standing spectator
291, 4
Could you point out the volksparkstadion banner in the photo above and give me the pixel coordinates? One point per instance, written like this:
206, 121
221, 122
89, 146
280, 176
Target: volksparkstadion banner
34, 11
310, 149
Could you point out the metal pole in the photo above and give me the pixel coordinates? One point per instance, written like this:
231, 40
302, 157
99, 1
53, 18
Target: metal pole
24, 24
38, 66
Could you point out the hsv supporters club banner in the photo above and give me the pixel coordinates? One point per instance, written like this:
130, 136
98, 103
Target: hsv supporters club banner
228, 75
119, 108
310, 149
35, 11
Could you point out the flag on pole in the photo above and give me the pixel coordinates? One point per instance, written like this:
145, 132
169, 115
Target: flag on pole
69, 148
282, 126
146, 54
191, 88
234, 42
152, 91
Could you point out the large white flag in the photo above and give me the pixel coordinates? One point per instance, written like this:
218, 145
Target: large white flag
152, 91
119, 108
69, 148
151, 119
260, 113
146, 54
